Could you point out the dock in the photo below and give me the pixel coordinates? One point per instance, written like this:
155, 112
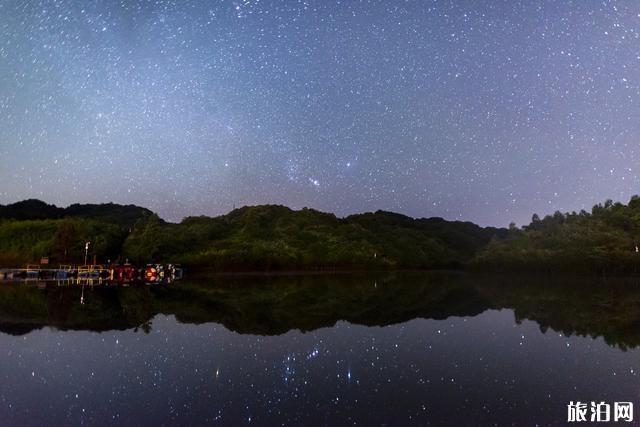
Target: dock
93, 274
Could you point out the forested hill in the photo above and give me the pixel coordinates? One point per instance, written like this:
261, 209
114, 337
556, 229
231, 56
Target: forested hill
125, 215
267, 237
271, 237
604, 241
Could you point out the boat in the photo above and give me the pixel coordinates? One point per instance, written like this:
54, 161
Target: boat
175, 271
32, 272
64, 272
154, 273
122, 273
92, 272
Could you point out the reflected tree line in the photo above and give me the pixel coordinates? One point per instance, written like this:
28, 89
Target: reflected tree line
272, 305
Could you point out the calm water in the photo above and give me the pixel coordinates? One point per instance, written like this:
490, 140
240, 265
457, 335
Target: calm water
390, 350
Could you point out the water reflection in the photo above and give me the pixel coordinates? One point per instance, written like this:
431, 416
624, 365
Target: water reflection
272, 305
399, 349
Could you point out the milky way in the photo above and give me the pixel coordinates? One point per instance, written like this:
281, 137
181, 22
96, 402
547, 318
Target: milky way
482, 111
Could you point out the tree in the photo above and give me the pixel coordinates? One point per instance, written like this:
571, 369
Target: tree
64, 238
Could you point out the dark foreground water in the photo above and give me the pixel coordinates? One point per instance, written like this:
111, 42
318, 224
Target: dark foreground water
394, 350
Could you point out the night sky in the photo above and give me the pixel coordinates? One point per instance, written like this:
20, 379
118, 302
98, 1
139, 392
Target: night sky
482, 111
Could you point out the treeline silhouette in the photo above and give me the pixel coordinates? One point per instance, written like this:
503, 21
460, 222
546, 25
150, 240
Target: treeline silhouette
256, 238
605, 241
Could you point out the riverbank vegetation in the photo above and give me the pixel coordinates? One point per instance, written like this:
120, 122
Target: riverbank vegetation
605, 241
256, 238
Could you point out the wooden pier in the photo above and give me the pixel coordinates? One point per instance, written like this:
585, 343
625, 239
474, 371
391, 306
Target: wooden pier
93, 274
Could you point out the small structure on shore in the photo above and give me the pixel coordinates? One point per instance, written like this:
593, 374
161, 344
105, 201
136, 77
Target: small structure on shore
113, 274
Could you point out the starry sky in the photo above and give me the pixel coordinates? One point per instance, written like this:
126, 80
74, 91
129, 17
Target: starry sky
473, 110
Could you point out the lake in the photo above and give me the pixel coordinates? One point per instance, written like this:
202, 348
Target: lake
388, 349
